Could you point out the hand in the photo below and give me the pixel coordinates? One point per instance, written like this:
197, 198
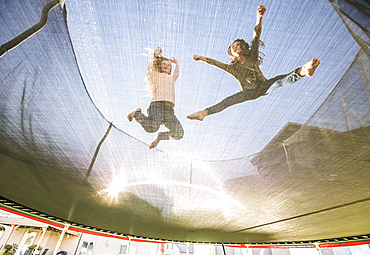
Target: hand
198, 57
174, 61
261, 10
157, 51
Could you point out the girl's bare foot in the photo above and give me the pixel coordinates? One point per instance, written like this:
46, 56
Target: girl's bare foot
130, 117
310, 67
198, 115
155, 142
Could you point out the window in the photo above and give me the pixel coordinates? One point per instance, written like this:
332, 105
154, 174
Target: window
241, 251
87, 248
123, 250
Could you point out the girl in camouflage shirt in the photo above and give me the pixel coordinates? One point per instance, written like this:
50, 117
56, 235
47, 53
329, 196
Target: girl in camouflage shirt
244, 66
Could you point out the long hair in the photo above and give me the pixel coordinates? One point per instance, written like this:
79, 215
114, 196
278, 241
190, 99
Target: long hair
245, 51
154, 66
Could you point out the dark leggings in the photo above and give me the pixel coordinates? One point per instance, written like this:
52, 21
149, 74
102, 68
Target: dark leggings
250, 94
161, 113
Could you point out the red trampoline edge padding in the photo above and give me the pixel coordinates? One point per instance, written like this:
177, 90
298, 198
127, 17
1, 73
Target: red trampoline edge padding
353, 243
74, 228
81, 230
31, 217
60, 225
329, 245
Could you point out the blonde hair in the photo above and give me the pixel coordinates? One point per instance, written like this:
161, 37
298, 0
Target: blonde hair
154, 66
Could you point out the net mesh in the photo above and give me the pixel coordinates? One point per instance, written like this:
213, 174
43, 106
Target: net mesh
268, 170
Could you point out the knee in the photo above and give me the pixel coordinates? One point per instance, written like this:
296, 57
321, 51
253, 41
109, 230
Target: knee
152, 128
179, 134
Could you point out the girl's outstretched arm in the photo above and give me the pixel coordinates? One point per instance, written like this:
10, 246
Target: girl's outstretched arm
152, 67
176, 72
260, 12
257, 32
158, 52
210, 61
198, 57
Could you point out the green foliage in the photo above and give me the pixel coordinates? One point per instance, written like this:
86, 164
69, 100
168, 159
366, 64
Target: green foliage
10, 249
34, 245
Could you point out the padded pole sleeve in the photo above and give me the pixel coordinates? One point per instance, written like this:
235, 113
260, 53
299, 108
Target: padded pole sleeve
28, 33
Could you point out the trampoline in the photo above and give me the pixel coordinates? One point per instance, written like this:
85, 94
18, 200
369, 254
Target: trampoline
290, 167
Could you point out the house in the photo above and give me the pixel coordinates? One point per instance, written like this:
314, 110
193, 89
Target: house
29, 234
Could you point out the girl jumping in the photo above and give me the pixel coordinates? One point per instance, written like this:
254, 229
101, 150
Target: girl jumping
161, 85
244, 66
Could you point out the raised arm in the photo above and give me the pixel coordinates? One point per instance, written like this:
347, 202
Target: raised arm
257, 31
176, 72
158, 52
260, 12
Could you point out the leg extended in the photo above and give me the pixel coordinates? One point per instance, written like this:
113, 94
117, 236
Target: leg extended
237, 98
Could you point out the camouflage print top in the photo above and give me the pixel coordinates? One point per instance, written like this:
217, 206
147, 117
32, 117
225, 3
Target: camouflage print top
248, 74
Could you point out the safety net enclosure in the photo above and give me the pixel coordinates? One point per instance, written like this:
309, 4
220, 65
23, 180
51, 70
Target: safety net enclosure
290, 166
